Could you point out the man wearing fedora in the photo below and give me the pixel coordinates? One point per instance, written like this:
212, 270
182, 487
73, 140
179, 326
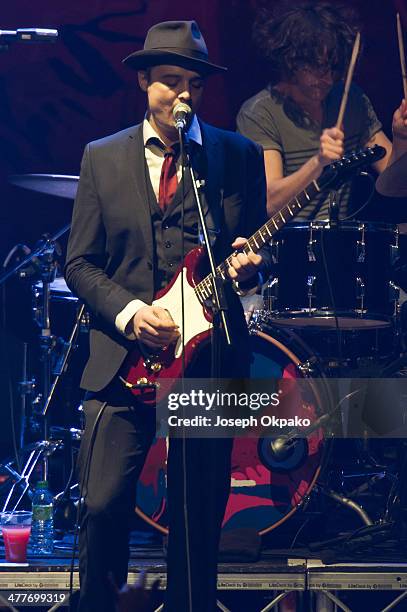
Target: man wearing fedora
125, 245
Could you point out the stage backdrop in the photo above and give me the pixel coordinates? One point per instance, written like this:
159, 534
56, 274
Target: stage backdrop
55, 98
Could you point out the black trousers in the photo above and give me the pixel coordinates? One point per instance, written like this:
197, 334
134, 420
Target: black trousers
110, 463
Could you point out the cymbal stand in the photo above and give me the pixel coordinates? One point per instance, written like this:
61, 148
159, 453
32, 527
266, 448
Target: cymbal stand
26, 387
39, 450
47, 266
44, 264
63, 361
43, 449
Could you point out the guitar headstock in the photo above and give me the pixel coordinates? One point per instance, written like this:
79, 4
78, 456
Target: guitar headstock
341, 170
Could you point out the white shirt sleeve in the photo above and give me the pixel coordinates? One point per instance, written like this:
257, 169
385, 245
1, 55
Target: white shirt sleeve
124, 317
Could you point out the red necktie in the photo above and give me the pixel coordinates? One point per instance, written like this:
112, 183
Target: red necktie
168, 178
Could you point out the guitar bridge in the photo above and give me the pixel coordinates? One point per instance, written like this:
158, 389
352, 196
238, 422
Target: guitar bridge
142, 384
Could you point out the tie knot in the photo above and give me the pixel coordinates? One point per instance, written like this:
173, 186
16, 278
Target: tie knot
171, 151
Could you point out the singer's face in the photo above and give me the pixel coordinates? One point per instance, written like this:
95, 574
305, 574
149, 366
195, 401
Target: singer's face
166, 86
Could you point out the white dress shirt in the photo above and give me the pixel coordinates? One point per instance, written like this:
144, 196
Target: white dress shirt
154, 155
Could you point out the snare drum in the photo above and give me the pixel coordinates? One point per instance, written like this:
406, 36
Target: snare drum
329, 275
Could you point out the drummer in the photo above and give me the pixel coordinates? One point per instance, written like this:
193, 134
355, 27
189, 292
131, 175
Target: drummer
308, 46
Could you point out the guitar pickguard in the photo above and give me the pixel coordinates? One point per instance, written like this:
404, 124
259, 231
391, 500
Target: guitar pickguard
195, 321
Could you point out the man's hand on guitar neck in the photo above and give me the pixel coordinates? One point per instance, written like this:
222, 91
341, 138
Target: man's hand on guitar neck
244, 268
154, 327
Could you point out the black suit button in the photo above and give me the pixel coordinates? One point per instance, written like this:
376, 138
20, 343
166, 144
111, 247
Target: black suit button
168, 244
166, 227
170, 264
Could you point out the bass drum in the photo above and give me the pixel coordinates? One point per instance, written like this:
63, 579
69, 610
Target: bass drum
265, 490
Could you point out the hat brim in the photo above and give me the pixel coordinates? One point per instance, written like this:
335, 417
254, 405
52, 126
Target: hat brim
140, 60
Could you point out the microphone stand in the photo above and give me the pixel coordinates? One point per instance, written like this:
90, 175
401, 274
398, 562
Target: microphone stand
26, 35
219, 310
219, 303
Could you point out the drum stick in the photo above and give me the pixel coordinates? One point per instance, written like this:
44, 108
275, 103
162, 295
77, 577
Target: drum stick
402, 55
349, 76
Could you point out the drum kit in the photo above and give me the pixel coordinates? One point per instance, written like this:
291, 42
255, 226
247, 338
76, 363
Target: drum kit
331, 309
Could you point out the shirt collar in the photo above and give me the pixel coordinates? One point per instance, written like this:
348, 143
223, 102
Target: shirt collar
193, 133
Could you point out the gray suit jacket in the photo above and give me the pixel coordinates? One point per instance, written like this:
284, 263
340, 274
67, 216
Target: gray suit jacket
110, 249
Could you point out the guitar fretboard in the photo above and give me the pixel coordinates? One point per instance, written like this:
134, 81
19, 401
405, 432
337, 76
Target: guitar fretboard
261, 237
337, 170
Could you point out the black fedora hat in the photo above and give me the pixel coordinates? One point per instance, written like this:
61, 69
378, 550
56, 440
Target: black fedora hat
178, 43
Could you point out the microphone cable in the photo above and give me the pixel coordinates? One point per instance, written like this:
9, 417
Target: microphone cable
368, 199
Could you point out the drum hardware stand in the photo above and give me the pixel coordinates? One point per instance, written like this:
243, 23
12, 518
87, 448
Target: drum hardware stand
392, 525
394, 296
311, 243
361, 246
26, 387
373, 534
333, 207
283, 446
42, 262
47, 266
39, 451
270, 294
395, 248
62, 363
345, 501
43, 449
32, 258
311, 278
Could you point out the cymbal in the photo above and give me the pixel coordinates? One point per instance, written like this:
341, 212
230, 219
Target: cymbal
60, 185
393, 181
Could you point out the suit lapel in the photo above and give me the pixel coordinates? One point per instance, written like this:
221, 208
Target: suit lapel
138, 185
212, 193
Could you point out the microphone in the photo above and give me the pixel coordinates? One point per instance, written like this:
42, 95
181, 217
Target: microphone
283, 445
28, 35
280, 447
181, 114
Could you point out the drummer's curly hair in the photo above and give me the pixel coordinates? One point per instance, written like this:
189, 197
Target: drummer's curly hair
292, 33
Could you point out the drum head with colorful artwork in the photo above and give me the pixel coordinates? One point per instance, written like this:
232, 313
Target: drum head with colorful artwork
265, 489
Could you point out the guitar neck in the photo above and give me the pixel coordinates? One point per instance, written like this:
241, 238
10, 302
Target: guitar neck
263, 235
341, 169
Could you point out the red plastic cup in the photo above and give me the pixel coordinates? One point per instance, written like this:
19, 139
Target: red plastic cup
16, 529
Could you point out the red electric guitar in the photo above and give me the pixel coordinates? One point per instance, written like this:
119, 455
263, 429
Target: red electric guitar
151, 374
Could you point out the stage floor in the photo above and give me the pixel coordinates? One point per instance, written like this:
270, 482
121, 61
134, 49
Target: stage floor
44, 583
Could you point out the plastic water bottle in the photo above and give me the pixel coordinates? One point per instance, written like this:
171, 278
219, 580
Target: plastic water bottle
42, 525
